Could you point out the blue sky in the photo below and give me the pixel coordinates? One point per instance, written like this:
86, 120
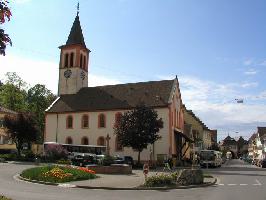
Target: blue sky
216, 48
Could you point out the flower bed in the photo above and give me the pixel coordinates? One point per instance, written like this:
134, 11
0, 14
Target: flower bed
161, 180
58, 174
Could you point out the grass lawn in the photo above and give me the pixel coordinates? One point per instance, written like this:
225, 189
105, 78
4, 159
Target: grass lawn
58, 174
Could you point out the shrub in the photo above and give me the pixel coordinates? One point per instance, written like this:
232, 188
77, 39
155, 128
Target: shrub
63, 162
160, 180
108, 160
55, 152
8, 156
57, 174
4, 198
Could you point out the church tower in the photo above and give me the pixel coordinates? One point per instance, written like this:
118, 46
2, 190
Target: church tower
74, 61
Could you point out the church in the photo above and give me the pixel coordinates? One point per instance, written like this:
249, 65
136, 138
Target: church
84, 115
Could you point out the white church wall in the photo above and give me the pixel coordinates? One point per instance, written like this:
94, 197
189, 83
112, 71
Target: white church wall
93, 132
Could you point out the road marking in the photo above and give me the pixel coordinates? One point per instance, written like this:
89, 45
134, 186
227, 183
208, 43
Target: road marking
258, 183
65, 185
243, 184
220, 184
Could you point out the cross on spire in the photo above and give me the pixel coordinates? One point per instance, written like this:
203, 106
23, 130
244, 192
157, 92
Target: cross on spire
78, 9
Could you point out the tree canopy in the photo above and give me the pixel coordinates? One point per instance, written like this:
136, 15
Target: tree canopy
15, 95
21, 128
5, 14
138, 128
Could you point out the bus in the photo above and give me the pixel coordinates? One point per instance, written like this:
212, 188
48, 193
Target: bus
79, 149
210, 158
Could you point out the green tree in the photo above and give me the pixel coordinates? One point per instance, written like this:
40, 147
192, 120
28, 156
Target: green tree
5, 13
138, 128
21, 128
13, 93
39, 98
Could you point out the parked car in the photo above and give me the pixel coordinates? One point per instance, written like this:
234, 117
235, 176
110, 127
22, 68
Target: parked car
263, 163
124, 160
83, 159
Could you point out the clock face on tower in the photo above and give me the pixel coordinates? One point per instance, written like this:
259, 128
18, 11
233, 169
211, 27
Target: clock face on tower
67, 73
82, 75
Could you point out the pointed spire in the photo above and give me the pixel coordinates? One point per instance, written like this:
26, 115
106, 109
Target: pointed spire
75, 35
78, 9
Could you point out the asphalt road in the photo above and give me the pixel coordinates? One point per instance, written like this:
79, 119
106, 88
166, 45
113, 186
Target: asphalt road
236, 180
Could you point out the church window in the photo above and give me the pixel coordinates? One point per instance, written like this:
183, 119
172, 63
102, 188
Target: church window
66, 60
69, 122
101, 141
117, 118
71, 59
84, 62
85, 121
101, 121
118, 145
84, 141
81, 61
69, 140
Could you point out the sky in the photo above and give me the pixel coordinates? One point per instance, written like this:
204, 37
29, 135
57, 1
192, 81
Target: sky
216, 48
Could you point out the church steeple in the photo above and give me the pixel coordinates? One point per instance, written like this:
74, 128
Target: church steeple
74, 61
75, 35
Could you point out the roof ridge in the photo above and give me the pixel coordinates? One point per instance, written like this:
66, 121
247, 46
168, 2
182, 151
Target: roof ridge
143, 82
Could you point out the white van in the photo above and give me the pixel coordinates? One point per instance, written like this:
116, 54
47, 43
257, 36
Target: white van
210, 158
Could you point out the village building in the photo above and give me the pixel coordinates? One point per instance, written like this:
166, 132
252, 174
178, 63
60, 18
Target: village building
198, 131
85, 115
237, 146
257, 144
6, 144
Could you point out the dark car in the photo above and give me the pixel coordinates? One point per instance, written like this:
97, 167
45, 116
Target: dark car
124, 160
83, 160
263, 163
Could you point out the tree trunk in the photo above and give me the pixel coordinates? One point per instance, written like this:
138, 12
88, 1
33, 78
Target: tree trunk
139, 158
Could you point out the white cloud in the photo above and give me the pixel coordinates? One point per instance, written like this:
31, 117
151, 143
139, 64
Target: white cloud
249, 85
31, 71
251, 72
263, 63
43, 72
216, 106
248, 62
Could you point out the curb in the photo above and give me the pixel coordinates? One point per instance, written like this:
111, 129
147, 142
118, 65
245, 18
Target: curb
68, 185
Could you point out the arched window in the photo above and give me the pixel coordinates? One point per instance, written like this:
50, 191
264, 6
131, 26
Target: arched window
69, 140
85, 121
101, 141
66, 60
118, 116
84, 141
71, 59
81, 61
84, 62
69, 122
101, 121
118, 145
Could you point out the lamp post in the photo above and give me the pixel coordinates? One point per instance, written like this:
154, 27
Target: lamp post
108, 145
